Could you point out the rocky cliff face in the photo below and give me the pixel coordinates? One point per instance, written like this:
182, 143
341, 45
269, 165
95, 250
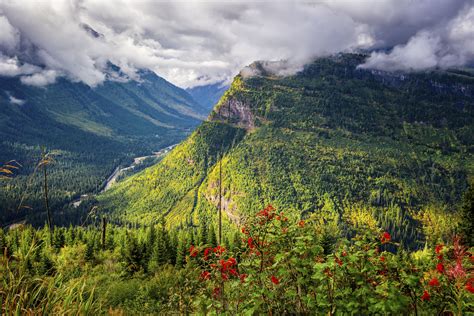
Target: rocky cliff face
235, 112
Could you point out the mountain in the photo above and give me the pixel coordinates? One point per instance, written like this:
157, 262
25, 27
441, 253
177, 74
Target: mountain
89, 132
330, 138
208, 95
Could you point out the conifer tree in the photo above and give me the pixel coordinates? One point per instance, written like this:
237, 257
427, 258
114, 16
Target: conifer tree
181, 252
211, 237
466, 228
132, 255
203, 233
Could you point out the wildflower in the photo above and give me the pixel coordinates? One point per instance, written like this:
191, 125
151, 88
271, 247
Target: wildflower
301, 224
457, 271
426, 296
344, 253
470, 285
275, 280
242, 277
232, 261
440, 267
438, 249
224, 265
433, 282
440, 257
338, 261
233, 272
219, 249
216, 292
206, 253
385, 238
250, 243
205, 275
244, 230
224, 276
382, 258
193, 251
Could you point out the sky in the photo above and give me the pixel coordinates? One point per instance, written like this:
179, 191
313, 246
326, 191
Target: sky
193, 43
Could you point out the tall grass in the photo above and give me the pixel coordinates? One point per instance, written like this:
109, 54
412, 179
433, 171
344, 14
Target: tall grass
22, 293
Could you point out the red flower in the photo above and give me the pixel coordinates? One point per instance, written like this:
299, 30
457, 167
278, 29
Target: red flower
224, 276
232, 261
233, 272
216, 292
433, 282
245, 231
263, 213
438, 249
344, 253
457, 271
440, 257
225, 265
219, 250
206, 253
205, 275
275, 280
425, 296
382, 258
470, 285
440, 267
250, 243
242, 277
385, 237
193, 251
301, 224
338, 261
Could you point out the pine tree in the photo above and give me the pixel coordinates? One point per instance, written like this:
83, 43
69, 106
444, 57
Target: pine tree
132, 255
89, 255
211, 237
466, 227
58, 238
203, 233
182, 249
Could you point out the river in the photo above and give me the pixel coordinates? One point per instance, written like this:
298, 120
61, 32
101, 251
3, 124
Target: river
112, 179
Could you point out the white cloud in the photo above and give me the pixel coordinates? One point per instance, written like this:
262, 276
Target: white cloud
40, 79
16, 101
10, 67
197, 42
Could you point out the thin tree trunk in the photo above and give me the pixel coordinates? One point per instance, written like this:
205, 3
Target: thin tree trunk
104, 227
46, 198
220, 200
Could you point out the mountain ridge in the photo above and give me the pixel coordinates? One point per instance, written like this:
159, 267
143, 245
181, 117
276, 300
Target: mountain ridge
332, 135
90, 131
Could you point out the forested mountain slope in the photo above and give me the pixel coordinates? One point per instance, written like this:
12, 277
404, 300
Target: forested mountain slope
89, 131
331, 137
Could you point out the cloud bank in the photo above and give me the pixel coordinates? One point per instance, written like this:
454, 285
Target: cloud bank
203, 42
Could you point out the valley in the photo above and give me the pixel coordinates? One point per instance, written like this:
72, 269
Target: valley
119, 171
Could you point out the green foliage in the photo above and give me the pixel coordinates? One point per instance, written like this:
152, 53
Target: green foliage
88, 131
400, 143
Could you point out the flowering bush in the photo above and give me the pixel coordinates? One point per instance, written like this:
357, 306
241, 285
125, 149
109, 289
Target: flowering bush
283, 268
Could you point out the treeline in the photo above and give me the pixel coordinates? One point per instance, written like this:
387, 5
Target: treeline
275, 263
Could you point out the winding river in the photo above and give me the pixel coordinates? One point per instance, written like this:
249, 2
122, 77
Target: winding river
112, 179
